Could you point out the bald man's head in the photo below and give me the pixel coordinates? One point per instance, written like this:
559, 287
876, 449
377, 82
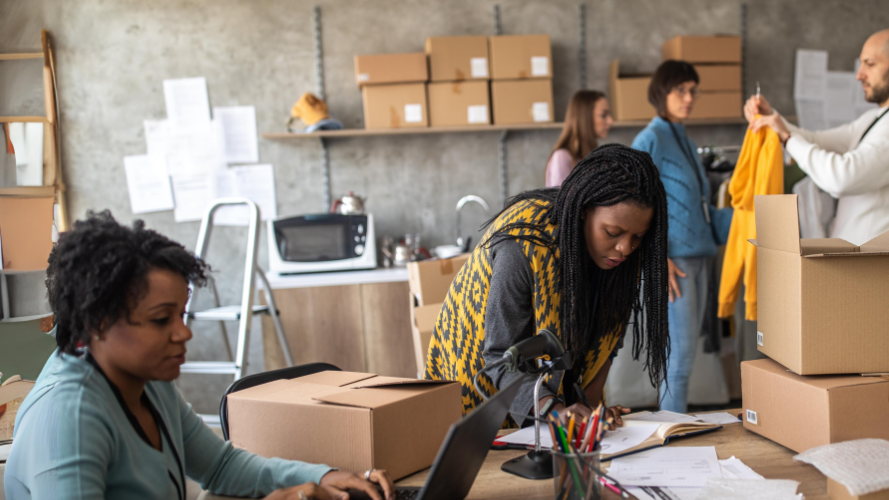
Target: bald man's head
874, 70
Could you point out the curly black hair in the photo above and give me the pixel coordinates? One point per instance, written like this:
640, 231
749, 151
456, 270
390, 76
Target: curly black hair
99, 269
609, 175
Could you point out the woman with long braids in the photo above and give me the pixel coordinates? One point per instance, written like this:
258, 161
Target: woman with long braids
572, 260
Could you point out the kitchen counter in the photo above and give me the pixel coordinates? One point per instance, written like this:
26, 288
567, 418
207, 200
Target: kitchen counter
363, 277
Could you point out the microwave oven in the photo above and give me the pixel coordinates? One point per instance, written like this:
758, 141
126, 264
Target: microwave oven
316, 243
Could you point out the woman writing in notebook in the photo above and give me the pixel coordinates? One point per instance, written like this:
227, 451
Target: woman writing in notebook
574, 261
587, 120
104, 419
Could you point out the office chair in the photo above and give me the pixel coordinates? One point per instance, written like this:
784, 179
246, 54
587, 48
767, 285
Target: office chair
264, 378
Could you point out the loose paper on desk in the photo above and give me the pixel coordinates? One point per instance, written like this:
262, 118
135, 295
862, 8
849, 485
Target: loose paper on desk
239, 128
254, 182
148, 183
810, 75
720, 418
193, 193
197, 149
740, 489
731, 468
187, 102
667, 466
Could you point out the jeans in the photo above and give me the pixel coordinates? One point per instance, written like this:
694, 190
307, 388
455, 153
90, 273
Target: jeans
686, 318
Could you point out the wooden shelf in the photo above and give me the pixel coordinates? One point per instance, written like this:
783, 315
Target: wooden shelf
27, 55
333, 134
29, 191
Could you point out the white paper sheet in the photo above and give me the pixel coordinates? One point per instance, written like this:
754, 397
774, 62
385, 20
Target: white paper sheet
239, 129
148, 183
667, 466
731, 468
718, 418
623, 438
526, 437
740, 489
198, 149
811, 114
661, 416
187, 101
193, 193
840, 102
810, 75
254, 182
27, 141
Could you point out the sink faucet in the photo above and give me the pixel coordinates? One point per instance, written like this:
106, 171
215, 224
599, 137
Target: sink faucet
460, 204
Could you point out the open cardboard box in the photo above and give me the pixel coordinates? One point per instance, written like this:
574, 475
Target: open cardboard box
629, 95
352, 421
822, 303
802, 412
430, 280
423, 319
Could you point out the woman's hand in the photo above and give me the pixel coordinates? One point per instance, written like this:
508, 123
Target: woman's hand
757, 106
337, 482
308, 490
673, 287
614, 412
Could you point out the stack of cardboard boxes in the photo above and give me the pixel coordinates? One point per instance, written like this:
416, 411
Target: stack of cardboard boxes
717, 59
459, 90
822, 320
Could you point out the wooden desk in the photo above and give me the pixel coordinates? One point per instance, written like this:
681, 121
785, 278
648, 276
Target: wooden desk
769, 459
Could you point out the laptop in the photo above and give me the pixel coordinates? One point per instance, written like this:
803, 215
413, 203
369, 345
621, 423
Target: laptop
464, 451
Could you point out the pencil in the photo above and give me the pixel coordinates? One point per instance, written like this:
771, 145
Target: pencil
570, 429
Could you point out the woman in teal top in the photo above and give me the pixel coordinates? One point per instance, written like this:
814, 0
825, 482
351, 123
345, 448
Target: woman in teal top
104, 419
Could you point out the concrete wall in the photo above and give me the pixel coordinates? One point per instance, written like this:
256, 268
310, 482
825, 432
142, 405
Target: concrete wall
113, 55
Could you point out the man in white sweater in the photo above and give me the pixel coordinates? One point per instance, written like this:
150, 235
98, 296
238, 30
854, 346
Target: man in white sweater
850, 162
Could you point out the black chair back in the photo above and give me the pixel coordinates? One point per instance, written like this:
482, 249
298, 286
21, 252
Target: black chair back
264, 378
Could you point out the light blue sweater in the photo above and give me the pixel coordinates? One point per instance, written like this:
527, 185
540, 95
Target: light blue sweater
689, 233
73, 441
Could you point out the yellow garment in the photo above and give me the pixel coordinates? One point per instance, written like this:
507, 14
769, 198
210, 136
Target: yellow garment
310, 109
760, 170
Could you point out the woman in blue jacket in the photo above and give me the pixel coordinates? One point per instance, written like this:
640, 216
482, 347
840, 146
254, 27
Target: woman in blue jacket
696, 228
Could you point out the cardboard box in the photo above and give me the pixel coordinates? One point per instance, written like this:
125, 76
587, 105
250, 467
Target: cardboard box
821, 302
423, 320
718, 77
352, 421
629, 95
802, 412
430, 280
456, 58
836, 491
25, 232
459, 104
374, 69
515, 57
704, 49
12, 393
395, 106
522, 101
718, 105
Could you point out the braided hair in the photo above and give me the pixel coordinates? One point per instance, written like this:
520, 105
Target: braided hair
609, 175
99, 269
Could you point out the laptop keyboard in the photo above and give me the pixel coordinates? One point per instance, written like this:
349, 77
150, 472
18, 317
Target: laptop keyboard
406, 494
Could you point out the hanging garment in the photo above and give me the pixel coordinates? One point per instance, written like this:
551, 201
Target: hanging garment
816, 209
760, 170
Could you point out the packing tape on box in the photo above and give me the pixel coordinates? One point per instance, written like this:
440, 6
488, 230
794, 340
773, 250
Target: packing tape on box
859, 465
739, 489
446, 266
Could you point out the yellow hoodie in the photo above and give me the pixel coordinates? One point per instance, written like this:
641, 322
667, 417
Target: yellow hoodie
760, 170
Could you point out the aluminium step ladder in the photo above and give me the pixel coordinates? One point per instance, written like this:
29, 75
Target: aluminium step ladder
243, 312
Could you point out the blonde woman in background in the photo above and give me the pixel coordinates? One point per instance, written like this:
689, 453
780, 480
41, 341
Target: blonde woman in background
588, 119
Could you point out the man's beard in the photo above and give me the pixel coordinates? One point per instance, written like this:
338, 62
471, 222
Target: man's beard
880, 94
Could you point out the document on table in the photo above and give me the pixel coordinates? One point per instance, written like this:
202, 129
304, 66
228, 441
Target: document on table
721, 418
254, 182
810, 75
148, 183
667, 466
193, 194
187, 101
732, 468
661, 417
239, 129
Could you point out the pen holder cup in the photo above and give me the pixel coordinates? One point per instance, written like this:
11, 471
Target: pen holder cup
574, 476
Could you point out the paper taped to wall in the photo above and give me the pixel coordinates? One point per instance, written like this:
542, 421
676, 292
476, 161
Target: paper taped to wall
254, 182
187, 101
148, 183
239, 130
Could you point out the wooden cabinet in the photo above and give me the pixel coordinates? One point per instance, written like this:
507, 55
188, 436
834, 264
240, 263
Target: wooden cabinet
358, 327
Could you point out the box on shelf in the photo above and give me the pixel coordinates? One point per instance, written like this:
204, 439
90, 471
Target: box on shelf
372, 69
395, 106
718, 105
704, 49
718, 77
25, 232
352, 421
629, 95
423, 319
459, 103
515, 57
522, 101
802, 412
430, 280
456, 58
821, 302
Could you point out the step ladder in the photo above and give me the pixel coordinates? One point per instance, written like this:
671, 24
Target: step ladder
243, 312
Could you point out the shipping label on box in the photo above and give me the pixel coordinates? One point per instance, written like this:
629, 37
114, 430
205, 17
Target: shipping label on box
457, 58
394, 106
351, 421
629, 95
391, 68
821, 302
515, 57
522, 101
802, 412
458, 103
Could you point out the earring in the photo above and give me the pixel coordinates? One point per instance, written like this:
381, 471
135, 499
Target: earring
96, 338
